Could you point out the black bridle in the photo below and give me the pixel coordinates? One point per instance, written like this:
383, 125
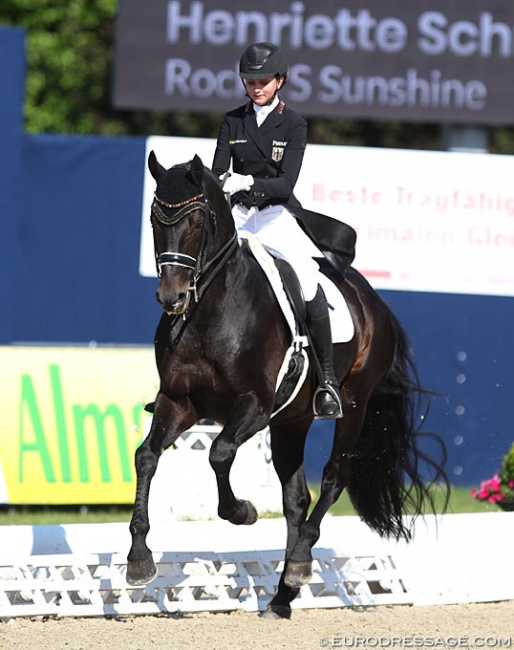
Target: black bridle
203, 270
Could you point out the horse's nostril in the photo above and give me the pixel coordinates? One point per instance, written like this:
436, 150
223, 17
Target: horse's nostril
172, 303
161, 297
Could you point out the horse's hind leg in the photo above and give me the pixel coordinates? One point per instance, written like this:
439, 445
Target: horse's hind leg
336, 475
287, 447
167, 425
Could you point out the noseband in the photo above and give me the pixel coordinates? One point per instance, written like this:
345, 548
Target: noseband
197, 265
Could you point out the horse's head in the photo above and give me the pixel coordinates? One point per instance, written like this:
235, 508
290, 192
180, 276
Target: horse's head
188, 235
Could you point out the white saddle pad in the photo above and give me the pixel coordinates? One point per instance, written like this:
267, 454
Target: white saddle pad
340, 317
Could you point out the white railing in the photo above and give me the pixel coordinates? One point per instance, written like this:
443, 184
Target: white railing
79, 570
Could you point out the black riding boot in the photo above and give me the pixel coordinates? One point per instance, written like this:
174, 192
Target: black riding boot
327, 401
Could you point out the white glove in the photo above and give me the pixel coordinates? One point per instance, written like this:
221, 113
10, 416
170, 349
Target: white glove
237, 183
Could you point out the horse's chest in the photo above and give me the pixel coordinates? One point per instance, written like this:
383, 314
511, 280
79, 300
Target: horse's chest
204, 371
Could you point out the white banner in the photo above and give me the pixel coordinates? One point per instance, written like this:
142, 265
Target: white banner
426, 221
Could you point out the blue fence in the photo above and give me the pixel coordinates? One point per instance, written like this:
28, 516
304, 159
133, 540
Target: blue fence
79, 219
12, 75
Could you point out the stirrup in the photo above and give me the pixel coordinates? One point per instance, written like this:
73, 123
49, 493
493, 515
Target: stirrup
334, 400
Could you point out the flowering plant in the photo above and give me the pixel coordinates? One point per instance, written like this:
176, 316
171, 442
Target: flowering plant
501, 486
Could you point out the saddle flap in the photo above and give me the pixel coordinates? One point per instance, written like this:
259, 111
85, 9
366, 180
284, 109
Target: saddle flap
340, 317
293, 290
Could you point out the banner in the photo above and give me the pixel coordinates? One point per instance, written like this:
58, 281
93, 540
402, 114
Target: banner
426, 221
72, 419
435, 60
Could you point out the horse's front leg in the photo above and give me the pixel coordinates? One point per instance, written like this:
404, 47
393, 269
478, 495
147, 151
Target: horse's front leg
244, 421
170, 420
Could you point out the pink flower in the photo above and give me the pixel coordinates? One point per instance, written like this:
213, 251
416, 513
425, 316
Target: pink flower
491, 489
495, 483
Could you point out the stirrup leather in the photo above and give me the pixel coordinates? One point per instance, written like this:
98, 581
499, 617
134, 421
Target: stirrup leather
336, 398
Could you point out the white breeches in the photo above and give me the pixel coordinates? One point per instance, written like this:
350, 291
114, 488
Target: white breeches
278, 231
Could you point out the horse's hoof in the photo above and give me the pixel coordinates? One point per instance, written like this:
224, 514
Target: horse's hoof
246, 515
141, 572
276, 612
298, 574
251, 515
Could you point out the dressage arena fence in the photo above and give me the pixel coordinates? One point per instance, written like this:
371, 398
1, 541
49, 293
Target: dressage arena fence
79, 570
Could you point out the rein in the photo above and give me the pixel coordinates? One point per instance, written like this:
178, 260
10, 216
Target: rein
202, 272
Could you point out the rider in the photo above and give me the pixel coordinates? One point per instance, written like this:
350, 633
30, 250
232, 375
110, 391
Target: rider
265, 142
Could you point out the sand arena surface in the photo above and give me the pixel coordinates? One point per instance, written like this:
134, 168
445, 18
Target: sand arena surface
481, 625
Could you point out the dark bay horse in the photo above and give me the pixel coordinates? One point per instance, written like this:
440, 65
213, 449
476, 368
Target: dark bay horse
219, 347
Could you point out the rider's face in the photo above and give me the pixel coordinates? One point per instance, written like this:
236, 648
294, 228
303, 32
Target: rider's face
261, 91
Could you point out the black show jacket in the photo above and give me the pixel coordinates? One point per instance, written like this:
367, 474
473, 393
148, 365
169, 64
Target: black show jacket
272, 153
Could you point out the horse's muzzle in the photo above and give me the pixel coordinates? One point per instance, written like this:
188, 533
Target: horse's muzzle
176, 306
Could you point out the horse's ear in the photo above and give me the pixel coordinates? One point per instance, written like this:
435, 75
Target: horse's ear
155, 167
197, 171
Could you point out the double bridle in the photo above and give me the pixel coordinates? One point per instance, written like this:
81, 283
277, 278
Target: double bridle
204, 271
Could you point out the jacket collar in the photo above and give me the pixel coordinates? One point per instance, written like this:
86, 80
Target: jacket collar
262, 112
274, 118
255, 132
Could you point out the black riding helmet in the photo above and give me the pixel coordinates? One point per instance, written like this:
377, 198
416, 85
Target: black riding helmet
262, 60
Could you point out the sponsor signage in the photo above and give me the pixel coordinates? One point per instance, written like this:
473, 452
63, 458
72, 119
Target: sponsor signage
434, 60
426, 221
72, 419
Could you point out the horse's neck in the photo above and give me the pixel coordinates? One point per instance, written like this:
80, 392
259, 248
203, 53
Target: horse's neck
246, 287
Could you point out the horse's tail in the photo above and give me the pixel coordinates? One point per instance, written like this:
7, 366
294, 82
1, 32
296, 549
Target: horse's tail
385, 471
